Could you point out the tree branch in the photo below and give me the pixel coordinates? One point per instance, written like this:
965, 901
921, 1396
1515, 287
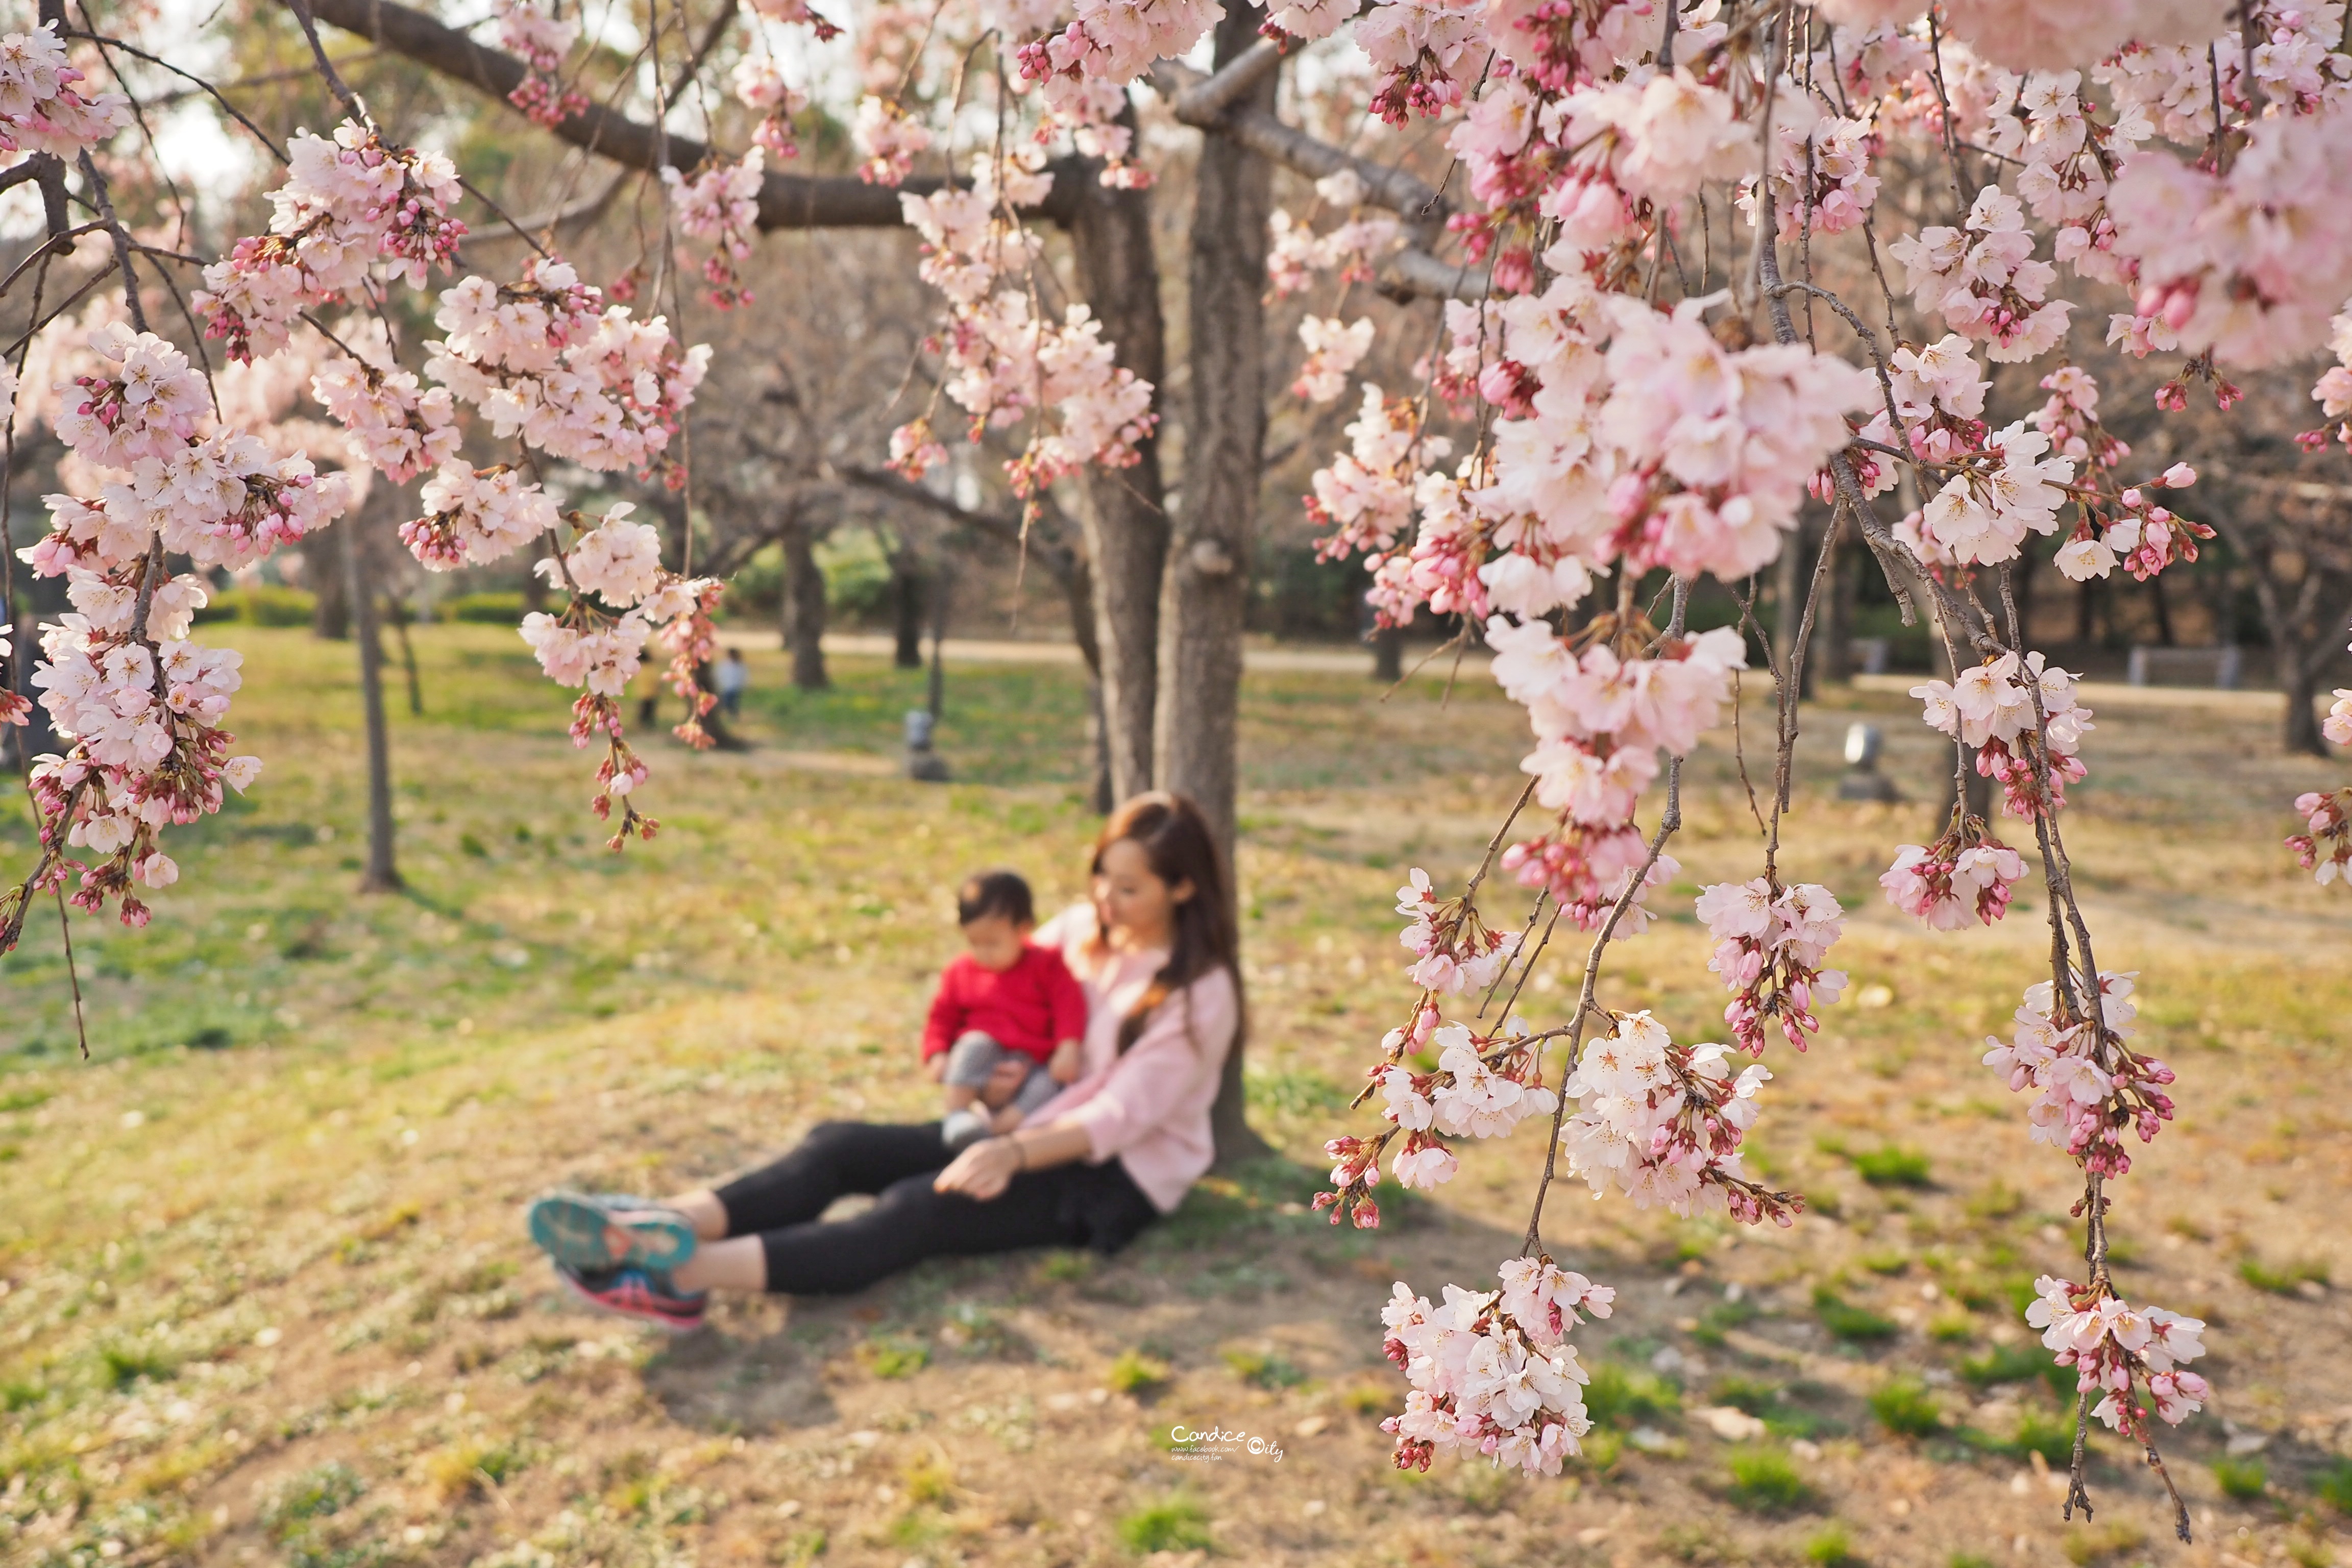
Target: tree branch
787, 201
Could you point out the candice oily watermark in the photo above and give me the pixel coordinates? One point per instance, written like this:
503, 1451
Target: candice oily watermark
1199, 1445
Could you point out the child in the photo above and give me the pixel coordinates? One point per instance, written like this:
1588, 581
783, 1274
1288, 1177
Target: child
1002, 1000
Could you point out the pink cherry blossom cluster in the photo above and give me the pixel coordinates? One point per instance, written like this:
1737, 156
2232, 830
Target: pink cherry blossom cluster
2110, 1343
140, 705
1115, 41
545, 359
1991, 708
1938, 401
1769, 944
1469, 1095
396, 428
543, 39
1365, 496
798, 12
2250, 263
888, 138
2324, 848
721, 204
473, 516
760, 86
1493, 1374
1663, 1123
599, 647
2334, 391
1453, 950
1297, 255
346, 204
41, 109
2091, 1085
1333, 349
1601, 719
1821, 177
1966, 874
1982, 279
1425, 52
1004, 362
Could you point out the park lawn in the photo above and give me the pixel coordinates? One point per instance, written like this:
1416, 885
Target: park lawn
264, 1297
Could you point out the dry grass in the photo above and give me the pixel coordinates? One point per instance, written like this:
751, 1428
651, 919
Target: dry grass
267, 1300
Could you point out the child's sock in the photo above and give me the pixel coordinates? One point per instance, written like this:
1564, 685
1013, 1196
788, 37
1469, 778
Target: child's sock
969, 1125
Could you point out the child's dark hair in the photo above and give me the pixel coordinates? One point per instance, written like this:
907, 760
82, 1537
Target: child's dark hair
998, 892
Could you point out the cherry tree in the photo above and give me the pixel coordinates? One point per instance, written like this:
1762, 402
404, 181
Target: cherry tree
1666, 308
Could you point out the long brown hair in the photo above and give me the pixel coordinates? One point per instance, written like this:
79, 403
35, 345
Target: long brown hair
1175, 839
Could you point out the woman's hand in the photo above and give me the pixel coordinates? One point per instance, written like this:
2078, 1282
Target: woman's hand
981, 1172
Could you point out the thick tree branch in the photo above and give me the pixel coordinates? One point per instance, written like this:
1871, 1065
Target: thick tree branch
787, 201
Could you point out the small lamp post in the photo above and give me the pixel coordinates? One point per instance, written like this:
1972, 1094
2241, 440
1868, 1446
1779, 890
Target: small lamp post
1862, 781
922, 762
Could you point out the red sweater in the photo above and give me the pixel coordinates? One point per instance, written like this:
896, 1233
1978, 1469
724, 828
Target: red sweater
1031, 1007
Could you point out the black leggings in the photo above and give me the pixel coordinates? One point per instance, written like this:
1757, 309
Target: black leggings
1077, 1205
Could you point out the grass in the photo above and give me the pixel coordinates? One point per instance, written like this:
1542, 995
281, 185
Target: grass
2333, 1486
2283, 1279
2241, 1480
1137, 1373
1892, 1167
1848, 1321
1171, 1524
1832, 1546
1264, 1369
1766, 1480
2086, 1545
343, 1102
1906, 1408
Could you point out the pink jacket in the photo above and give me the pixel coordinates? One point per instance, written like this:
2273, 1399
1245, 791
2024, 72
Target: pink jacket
1150, 1106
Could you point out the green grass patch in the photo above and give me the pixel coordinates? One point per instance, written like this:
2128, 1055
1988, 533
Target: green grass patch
1766, 1480
1831, 1547
1892, 1167
1854, 1324
2008, 1363
2240, 1480
1715, 1323
2282, 1279
1906, 1408
2333, 1486
1264, 1369
1619, 1395
894, 1355
1171, 1524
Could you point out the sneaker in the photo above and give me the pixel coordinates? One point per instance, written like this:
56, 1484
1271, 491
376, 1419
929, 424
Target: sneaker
599, 1232
965, 1127
645, 1294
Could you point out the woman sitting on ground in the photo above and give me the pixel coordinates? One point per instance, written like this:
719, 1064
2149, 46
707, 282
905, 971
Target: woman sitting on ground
1154, 950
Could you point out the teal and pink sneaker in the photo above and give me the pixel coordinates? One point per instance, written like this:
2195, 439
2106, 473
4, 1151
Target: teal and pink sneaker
644, 1294
599, 1232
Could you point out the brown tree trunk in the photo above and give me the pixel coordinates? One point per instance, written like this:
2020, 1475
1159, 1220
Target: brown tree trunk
1203, 590
906, 606
382, 875
1832, 650
1792, 575
1124, 518
803, 608
330, 579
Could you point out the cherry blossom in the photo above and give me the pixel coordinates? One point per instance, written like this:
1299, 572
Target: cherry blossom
1663, 1123
2325, 848
721, 204
543, 39
1966, 874
1769, 943
1493, 1373
1334, 348
2110, 1343
1982, 279
347, 204
41, 109
2091, 1085
889, 139
1991, 708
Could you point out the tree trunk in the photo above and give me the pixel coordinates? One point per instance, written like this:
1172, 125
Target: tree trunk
803, 608
1792, 577
906, 606
397, 613
1204, 587
940, 589
1388, 655
1124, 520
329, 574
2297, 665
381, 876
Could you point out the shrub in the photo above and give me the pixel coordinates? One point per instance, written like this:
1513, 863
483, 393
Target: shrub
1892, 1167
500, 609
1766, 1480
1171, 1524
1848, 1321
2240, 1480
856, 571
1135, 1372
262, 604
1905, 1407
